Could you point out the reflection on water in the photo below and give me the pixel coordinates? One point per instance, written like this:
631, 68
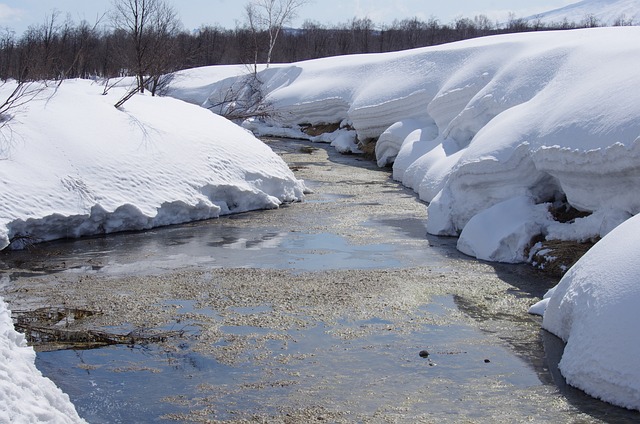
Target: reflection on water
120, 384
217, 243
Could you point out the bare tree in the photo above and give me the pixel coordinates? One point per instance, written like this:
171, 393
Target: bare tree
150, 26
515, 24
271, 16
8, 47
590, 21
58, 49
622, 20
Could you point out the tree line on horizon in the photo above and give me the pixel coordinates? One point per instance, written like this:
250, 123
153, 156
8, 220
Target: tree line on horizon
61, 49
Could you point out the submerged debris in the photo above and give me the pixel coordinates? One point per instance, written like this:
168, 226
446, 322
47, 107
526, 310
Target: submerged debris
48, 329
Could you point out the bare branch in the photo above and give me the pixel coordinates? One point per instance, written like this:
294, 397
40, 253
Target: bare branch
151, 27
23, 93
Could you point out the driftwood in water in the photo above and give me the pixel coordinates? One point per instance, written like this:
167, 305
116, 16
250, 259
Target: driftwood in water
51, 329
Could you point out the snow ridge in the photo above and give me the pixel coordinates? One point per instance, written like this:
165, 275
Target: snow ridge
606, 12
594, 309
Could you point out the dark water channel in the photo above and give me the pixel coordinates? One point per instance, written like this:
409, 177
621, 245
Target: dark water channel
292, 357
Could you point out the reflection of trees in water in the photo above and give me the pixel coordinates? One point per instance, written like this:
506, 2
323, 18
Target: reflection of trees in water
264, 241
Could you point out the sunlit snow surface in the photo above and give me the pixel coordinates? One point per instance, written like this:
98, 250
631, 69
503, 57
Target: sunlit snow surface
594, 309
25, 395
473, 124
74, 165
490, 131
605, 12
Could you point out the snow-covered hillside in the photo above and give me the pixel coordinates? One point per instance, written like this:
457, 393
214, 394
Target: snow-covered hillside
605, 12
72, 165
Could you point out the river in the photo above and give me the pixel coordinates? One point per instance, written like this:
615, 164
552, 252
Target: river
336, 309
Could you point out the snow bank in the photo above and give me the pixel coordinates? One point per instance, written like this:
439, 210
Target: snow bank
594, 309
195, 85
470, 125
25, 395
73, 165
490, 132
503, 231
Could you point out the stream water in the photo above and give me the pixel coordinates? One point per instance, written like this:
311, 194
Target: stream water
337, 309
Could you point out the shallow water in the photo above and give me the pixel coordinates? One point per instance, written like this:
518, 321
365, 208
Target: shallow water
144, 383
222, 243
315, 311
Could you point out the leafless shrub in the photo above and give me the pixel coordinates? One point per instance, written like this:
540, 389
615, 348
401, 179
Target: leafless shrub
23, 93
244, 99
17, 98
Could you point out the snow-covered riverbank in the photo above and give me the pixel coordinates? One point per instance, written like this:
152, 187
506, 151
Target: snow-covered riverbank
548, 117
493, 133
25, 395
490, 132
73, 165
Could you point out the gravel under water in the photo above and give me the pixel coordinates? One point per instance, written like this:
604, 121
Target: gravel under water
336, 309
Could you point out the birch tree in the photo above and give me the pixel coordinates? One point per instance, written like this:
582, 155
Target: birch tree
271, 16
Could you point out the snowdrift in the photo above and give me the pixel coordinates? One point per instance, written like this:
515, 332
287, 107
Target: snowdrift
26, 396
547, 116
73, 165
594, 309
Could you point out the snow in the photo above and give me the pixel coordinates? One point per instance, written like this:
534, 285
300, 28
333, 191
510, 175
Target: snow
491, 132
73, 165
473, 124
594, 309
195, 85
606, 12
504, 230
27, 396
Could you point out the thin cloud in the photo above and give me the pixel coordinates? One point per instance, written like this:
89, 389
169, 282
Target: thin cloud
9, 14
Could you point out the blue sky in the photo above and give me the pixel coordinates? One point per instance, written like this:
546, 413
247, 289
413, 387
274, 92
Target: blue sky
19, 14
